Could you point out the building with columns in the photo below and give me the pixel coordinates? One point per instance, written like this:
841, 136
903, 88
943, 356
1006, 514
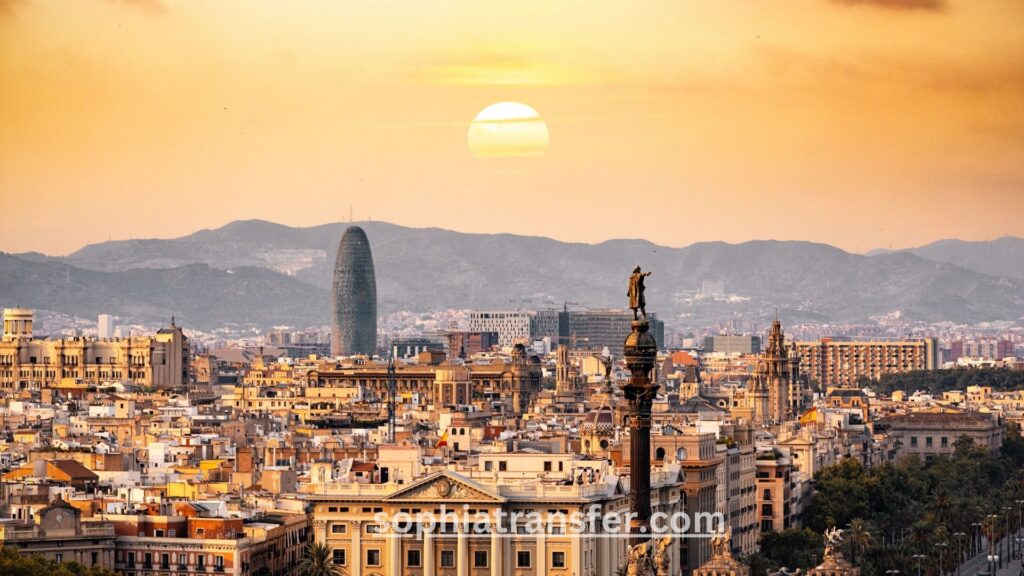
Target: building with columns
364, 523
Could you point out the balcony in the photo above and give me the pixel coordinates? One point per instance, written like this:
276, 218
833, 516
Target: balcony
219, 569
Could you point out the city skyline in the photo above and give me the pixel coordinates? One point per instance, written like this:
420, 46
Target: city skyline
862, 124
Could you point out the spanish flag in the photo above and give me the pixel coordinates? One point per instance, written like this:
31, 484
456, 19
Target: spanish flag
809, 417
443, 441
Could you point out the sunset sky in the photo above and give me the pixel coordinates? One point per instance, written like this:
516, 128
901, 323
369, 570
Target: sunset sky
860, 123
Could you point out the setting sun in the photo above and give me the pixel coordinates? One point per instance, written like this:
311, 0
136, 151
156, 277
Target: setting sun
508, 130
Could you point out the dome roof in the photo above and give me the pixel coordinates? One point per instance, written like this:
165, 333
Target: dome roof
600, 421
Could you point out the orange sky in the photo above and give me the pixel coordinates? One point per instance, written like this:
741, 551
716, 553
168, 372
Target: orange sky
861, 123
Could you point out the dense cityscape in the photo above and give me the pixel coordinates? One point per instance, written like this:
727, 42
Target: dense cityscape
512, 288
353, 451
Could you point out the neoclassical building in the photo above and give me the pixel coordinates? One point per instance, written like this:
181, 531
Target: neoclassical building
348, 518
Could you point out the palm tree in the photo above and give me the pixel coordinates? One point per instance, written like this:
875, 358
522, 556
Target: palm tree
859, 537
942, 506
319, 561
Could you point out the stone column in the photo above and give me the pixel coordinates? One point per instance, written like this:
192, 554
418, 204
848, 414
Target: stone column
428, 553
604, 553
395, 548
506, 552
320, 531
541, 559
496, 558
356, 561
461, 552
575, 563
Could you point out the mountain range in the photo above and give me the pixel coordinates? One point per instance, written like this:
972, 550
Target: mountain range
263, 274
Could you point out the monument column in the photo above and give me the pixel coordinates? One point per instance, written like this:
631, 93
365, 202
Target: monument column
641, 351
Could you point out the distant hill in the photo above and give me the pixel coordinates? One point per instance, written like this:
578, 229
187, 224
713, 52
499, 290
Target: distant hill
282, 276
1002, 257
200, 296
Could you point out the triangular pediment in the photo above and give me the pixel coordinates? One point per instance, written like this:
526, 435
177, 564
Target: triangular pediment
446, 486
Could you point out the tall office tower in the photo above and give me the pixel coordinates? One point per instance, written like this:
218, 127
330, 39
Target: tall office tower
354, 297
105, 326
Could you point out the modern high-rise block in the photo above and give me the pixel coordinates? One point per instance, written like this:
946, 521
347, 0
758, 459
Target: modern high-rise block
354, 297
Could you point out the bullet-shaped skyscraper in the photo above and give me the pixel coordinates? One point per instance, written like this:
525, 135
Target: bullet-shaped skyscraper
354, 297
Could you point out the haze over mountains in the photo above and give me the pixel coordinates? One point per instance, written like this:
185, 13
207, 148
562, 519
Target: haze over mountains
264, 274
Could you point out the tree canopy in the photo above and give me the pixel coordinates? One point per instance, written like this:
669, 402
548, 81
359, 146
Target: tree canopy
12, 563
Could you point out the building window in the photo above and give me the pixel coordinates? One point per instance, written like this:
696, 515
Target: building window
412, 558
928, 441
480, 559
488, 466
338, 528
373, 528
558, 559
447, 558
502, 466
339, 556
913, 441
945, 441
523, 559
547, 466
373, 557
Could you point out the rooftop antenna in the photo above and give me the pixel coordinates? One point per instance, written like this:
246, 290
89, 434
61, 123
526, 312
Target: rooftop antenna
349, 213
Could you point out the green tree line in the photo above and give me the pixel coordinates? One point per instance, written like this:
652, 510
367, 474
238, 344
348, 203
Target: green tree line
892, 512
939, 381
14, 564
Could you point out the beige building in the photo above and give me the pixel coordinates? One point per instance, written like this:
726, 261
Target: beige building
361, 522
31, 363
928, 434
841, 362
58, 533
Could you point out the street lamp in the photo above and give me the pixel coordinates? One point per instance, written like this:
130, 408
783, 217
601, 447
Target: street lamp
1006, 544
918, 557
942, 549
1020, 522
960, 550
992, 558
